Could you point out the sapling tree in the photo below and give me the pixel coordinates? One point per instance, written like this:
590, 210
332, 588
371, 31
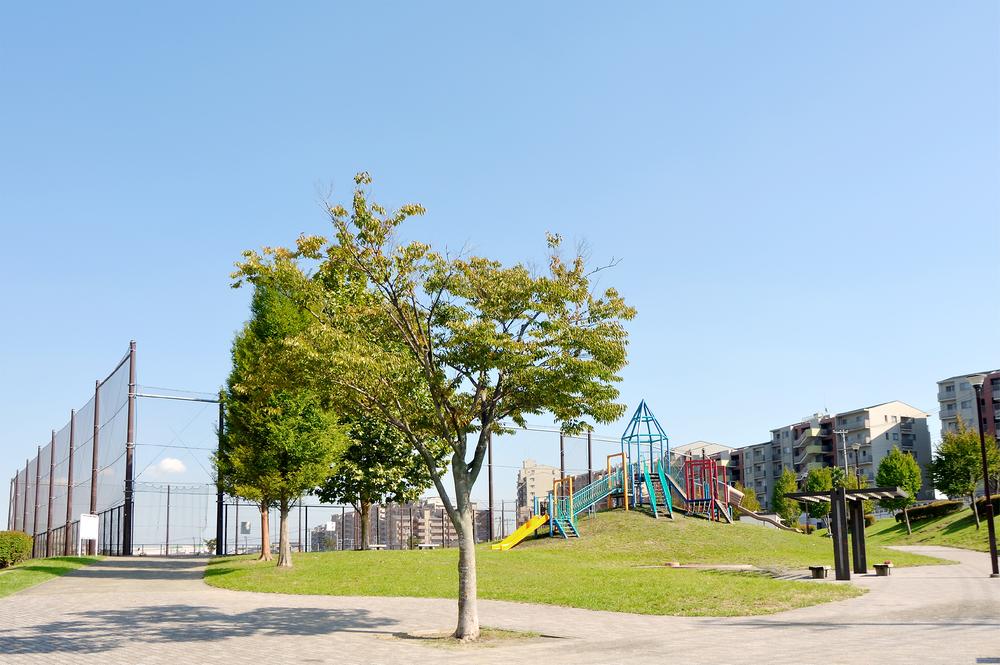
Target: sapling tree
378, 465
818, 480
451, 348
899, 469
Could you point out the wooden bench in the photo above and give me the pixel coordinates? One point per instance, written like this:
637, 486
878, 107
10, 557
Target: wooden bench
883, 569
819, 572
426, 546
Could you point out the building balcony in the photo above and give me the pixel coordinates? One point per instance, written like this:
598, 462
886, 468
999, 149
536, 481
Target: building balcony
947, 396
855, 425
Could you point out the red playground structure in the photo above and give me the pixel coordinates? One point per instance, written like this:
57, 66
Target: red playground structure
701, 484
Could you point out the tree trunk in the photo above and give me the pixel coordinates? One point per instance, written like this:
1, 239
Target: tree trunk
365, 514
284, 544
468, 604
906, 517
265, 534
975, 509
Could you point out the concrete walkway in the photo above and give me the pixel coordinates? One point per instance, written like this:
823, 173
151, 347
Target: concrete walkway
148, 610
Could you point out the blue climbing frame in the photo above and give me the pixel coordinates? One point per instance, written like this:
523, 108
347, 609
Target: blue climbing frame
646, 447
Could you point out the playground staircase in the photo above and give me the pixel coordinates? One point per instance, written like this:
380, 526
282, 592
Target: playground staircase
566, 527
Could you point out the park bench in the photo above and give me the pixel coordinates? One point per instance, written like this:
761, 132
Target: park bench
819, 572
426, 546
377, 546
883, 569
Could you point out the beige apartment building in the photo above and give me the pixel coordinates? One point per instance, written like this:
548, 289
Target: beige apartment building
534, 480
866, 436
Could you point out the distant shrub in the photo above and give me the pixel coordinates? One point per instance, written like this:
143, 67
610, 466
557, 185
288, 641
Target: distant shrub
869, 520
933, 509
15, 547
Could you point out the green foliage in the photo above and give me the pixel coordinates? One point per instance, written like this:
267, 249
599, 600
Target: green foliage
854, 482
933, 509
899, 469
749, 501
15, 546
787, 509
957, 468
378, 465
819, 480
447, 348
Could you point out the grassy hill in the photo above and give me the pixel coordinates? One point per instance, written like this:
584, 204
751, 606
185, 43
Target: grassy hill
955, 530
617, 565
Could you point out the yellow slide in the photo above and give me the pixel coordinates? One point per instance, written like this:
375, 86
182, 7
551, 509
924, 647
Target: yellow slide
521, 533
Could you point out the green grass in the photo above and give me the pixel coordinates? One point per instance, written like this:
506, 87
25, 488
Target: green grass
606, 569
955, 530
36, 571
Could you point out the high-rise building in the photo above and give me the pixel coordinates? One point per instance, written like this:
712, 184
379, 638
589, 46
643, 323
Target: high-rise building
957, 399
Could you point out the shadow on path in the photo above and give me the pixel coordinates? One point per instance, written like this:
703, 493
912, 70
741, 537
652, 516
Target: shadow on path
144, 569
102, 630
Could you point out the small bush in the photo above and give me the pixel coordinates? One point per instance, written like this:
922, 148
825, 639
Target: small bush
869, 520
933, 509
15, 547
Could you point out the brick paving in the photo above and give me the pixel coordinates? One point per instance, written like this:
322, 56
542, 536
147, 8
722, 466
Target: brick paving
149, 610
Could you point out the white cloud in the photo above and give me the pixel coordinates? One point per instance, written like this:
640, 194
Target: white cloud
170, 465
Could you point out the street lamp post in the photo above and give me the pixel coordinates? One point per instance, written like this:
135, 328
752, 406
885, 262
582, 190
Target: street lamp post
986, 483
857, 463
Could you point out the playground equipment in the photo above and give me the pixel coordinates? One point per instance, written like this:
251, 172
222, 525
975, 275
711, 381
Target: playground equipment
641, 475
646, 450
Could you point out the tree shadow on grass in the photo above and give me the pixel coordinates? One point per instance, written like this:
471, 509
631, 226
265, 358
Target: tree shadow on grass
102, 630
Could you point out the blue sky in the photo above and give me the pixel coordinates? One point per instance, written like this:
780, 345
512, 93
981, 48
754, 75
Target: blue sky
802, 196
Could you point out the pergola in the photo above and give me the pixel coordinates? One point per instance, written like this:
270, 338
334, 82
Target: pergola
841, 501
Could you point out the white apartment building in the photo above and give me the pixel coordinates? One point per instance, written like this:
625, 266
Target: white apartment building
957, 398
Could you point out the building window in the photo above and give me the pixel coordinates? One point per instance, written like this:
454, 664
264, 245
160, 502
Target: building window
964, 385
895, 436
967, 404
894, 419
949, 388
886, 436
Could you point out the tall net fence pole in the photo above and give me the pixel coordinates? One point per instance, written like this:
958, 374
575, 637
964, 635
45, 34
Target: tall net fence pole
95, 446
52, 487
67, 541
219, 498
129, 456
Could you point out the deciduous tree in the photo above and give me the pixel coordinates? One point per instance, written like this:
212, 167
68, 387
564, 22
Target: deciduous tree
452, 348
899, 469
378, 465
788, 509
957, 467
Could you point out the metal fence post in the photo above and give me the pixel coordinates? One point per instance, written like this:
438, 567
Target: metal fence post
129, 456
489, 453
48, 513
34, 521
11, 506
220, 529
68, 546
167, 538
24, 517
590, 458
92, 547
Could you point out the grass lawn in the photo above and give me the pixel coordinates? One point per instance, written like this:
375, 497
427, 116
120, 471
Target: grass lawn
36, 571
606, 569
955, 530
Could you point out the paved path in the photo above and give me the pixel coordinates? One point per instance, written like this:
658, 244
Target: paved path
148, 610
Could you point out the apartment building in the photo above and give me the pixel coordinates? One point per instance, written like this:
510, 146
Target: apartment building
534, 480
869, 433
957, 399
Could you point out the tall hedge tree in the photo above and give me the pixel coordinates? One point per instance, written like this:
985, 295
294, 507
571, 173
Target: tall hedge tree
787, 509
899, 469
257, 371
279, 439
450, 348
378, 465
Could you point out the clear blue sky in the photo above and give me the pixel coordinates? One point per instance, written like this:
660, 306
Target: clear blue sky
802, 195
